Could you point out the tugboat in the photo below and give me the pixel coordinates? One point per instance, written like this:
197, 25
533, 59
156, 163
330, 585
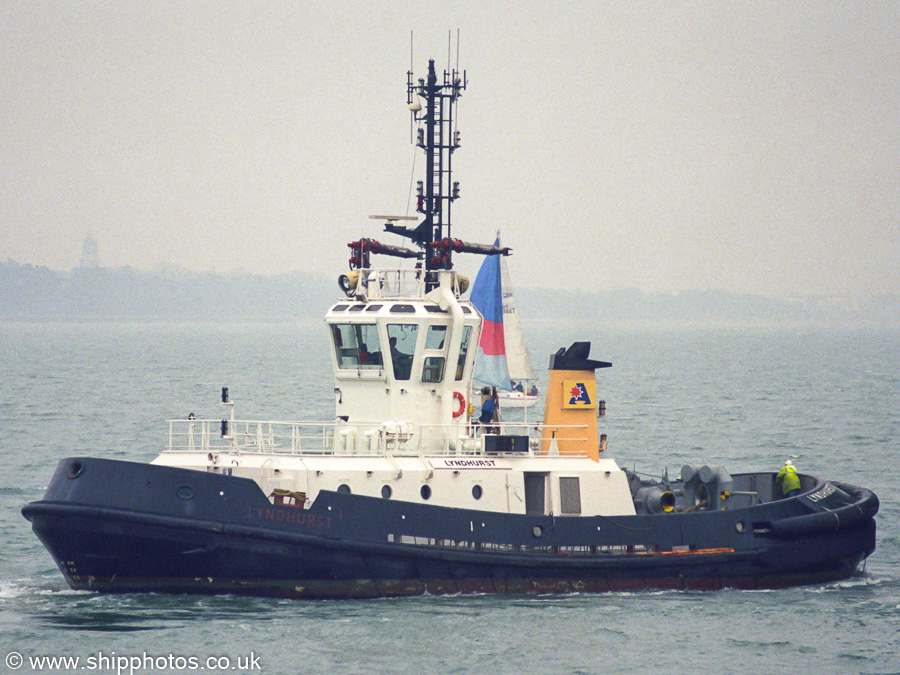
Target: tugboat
404, 493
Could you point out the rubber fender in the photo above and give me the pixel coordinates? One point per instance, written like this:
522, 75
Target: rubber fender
827, 521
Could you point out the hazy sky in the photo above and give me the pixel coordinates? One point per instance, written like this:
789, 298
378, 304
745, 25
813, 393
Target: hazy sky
747, 146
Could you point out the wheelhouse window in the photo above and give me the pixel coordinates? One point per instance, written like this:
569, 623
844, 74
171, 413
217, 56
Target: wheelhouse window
433, 370
433, 367
437, 336
463, 352
402, 338
357, 346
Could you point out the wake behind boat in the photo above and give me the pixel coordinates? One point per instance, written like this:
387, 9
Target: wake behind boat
403, 493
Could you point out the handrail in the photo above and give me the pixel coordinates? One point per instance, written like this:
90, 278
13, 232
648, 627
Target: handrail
340, 438
205, 435
399, 283
383, 284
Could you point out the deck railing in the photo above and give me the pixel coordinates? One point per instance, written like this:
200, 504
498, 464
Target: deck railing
401, 283
330, 438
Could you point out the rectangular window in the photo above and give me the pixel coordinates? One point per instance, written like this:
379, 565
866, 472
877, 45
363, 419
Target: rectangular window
433, 370
569, 497
402, 338
433, 366
357, 346
436, 337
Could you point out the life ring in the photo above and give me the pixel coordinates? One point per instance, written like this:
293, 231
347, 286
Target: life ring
462, 404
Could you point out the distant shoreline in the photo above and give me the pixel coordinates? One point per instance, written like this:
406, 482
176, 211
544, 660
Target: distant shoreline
38, 294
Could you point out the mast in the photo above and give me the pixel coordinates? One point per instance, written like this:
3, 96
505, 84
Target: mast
432, 103
438, 140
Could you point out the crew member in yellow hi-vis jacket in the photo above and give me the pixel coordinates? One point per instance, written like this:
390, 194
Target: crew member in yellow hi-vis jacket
788, 479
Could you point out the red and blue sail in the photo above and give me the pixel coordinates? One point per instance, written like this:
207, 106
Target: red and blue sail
487, 296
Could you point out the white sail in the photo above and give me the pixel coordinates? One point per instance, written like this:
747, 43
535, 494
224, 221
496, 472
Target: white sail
517, 358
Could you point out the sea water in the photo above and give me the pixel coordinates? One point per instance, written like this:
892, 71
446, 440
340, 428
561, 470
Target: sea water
747, 399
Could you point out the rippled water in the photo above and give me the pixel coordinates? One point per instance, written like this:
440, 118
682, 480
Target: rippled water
745, 399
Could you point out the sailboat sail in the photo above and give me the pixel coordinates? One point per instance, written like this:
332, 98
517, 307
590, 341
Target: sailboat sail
487, 296
517, 359
501, 351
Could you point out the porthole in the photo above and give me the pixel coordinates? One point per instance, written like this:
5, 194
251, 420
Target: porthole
739, 526
477, 491
75, 470
343, 487
185, 492
386, 491
537, 531
425, 492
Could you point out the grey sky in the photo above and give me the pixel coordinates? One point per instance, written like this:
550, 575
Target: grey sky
752, 147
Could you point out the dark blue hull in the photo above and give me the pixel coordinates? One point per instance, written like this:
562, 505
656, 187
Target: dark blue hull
123, 527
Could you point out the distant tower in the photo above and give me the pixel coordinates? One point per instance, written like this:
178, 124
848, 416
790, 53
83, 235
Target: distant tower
89, 256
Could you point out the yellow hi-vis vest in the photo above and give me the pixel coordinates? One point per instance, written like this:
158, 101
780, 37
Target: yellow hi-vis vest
788, 479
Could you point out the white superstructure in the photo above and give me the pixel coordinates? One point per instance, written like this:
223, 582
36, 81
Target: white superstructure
402, 361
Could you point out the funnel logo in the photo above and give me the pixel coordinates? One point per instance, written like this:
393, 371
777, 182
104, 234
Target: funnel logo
578, 394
